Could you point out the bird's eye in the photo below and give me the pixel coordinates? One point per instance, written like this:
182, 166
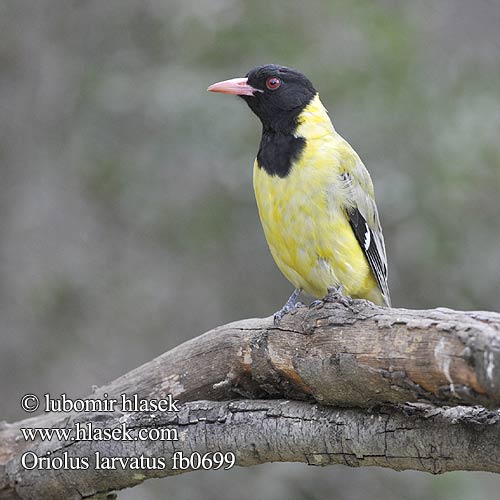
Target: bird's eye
272, 83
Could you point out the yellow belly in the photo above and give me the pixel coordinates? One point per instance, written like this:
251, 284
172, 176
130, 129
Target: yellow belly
308, 234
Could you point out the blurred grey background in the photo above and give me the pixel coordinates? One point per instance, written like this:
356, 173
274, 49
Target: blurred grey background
126, 194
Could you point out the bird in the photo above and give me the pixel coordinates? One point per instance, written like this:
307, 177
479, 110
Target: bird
314, 195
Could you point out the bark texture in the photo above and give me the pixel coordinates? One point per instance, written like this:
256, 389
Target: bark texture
358, 355
419, 437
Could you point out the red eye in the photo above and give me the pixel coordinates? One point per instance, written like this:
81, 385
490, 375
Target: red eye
272, 83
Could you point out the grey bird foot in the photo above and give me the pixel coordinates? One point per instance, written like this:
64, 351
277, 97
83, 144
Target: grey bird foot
278, 315
335, 294
290, 306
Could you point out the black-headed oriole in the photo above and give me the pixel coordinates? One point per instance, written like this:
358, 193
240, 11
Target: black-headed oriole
314, 195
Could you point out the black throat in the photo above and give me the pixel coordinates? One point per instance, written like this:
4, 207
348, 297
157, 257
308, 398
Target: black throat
278, 151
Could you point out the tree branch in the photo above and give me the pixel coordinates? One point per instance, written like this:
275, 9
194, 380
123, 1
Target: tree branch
358, 356
416, 437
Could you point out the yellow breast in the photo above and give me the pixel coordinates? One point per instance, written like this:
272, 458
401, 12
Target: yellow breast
305, 226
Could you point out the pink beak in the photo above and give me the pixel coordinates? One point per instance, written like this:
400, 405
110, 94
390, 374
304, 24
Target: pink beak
235, 86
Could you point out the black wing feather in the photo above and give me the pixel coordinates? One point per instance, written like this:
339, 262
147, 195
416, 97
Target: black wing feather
366, 240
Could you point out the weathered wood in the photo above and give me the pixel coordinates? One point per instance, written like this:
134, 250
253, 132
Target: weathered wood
358, 355
416, 437
361, 355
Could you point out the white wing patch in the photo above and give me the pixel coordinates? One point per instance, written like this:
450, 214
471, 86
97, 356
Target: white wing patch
367, 237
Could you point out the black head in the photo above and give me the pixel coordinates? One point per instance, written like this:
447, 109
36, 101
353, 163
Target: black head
276, 94
281, 94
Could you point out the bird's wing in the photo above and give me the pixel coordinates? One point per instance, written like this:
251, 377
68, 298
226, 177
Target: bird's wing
363, 217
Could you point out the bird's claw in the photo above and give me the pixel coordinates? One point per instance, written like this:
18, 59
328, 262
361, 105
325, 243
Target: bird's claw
290, 306
278, 315
335, 294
